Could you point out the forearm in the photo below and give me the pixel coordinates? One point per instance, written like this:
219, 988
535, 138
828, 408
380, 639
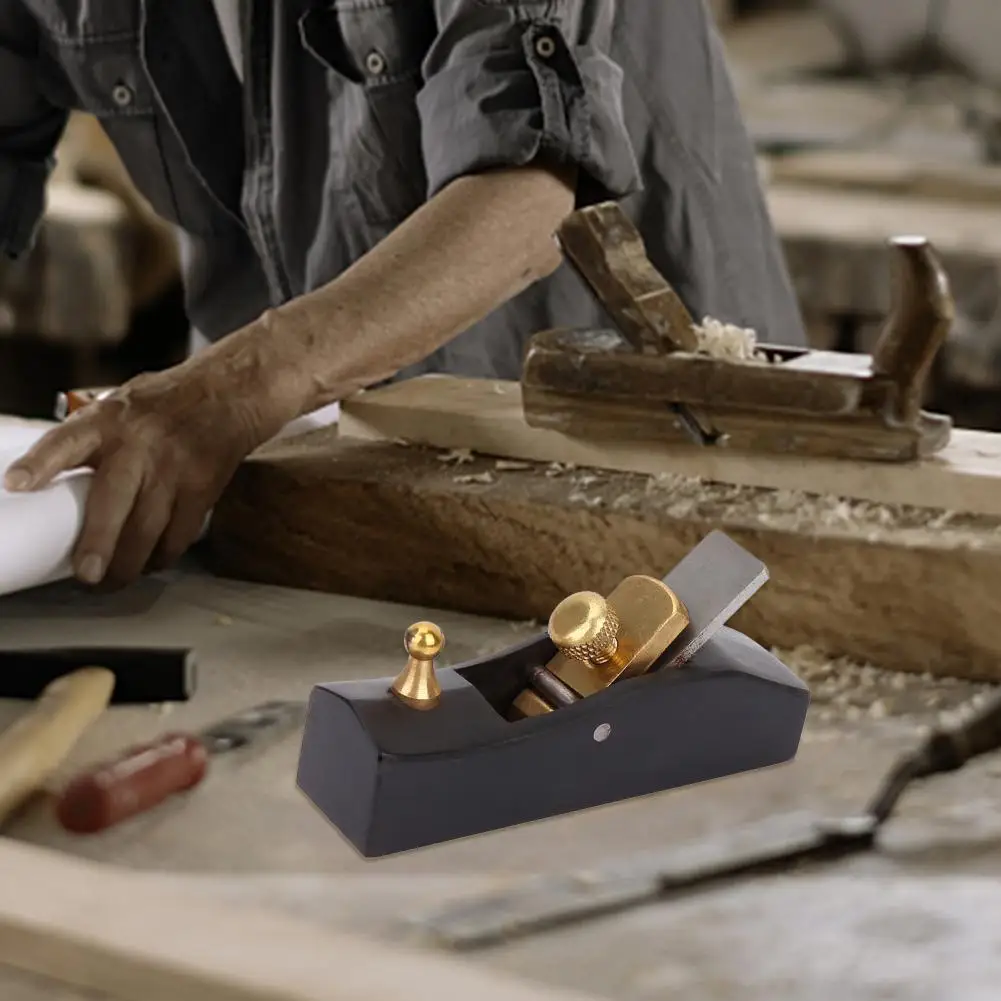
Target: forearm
479, 242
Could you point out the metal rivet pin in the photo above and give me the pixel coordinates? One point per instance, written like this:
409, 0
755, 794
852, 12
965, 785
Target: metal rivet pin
121, 94
545, 47
375, 64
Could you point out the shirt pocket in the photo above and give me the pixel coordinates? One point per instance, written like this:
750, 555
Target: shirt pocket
373, 51
103, 75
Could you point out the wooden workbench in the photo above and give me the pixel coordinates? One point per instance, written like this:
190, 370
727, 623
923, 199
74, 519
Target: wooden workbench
923, 920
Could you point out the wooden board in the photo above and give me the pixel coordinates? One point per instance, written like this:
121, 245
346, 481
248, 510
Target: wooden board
87, 157
486, 416
835, 246
101, 252
139, 938
910, 590
73, 286
889, 173
722, 11
780, 44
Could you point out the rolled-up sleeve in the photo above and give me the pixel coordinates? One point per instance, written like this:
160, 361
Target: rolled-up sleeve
30, 128
512, 83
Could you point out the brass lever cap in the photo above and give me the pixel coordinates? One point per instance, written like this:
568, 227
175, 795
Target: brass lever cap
417, 685
584, 627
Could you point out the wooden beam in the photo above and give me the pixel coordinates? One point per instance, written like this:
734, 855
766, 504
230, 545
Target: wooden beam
137, 937
834, 243
907, 589
889, 174
872, 217
486, 416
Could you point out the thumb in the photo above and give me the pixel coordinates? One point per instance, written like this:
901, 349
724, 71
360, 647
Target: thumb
63, 448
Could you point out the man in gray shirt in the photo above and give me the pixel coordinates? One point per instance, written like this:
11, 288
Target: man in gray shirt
367, 189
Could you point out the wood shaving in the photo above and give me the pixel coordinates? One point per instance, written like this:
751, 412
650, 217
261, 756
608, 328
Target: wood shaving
559, 468
577, 497
457, 457
728, 342
485, 478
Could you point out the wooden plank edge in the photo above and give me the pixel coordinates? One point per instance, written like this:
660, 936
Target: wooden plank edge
485, 416
802, 211
888, 173
133, 937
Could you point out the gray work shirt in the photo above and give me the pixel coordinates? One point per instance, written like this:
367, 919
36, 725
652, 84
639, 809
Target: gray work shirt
352, 113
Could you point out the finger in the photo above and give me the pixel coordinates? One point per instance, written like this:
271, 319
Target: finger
63, 448
185, 526
140, 534
113, 493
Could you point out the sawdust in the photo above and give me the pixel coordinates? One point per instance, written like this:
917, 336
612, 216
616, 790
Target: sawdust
555, 469
798, 511
688, 497
728, 342
456, 457
843, 690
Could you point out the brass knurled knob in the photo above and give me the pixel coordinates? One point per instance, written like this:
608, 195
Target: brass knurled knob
584, 627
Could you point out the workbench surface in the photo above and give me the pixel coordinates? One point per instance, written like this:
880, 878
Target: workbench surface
923, 923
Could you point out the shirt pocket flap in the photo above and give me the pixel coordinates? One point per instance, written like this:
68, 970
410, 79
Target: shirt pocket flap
106, 76
368, 42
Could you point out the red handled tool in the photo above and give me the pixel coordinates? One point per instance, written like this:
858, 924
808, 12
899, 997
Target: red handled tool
148, 774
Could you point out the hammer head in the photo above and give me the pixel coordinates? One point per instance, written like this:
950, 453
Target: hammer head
142, 675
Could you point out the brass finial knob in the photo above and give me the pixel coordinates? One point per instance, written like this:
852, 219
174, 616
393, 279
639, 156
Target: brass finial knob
417, 685
584, 627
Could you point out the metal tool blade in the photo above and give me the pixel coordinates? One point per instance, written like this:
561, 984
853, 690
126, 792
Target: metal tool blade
238, 731
715, 580
774, 845
692, 426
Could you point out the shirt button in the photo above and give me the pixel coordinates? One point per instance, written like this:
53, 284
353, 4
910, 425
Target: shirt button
375, 64
121, 94
545, 47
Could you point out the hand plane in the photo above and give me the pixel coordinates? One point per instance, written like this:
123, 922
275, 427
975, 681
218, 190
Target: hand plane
634, 692
655, 375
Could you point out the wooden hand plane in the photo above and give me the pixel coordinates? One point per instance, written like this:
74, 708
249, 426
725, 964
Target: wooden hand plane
652, 378
639, 691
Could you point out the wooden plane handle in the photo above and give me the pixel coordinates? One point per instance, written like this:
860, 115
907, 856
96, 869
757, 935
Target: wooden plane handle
37, 743
607, 252
919, 321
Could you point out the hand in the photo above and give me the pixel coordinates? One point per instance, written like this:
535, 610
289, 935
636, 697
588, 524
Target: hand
162, 447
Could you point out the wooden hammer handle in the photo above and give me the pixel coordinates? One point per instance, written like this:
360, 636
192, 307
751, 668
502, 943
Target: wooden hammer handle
39, 741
